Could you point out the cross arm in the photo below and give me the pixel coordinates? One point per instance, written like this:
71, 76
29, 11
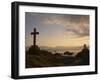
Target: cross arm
32, 33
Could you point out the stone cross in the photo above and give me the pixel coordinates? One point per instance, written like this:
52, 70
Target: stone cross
34, 33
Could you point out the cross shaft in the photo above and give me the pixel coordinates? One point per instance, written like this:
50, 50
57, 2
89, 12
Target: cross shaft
34, 33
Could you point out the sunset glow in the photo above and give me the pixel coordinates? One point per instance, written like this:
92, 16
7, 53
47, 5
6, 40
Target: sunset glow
57, 29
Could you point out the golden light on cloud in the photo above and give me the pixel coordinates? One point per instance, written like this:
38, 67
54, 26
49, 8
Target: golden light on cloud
65, 42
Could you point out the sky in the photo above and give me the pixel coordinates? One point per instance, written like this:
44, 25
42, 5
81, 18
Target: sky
64, 30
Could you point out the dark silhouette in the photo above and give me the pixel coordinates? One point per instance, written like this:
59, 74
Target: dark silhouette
83, 56
43, 58
68, 53
34, 49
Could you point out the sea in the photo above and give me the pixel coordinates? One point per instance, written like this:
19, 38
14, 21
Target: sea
75, 50
60, 50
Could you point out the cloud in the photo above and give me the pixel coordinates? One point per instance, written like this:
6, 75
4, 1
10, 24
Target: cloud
77, 25
78, 30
